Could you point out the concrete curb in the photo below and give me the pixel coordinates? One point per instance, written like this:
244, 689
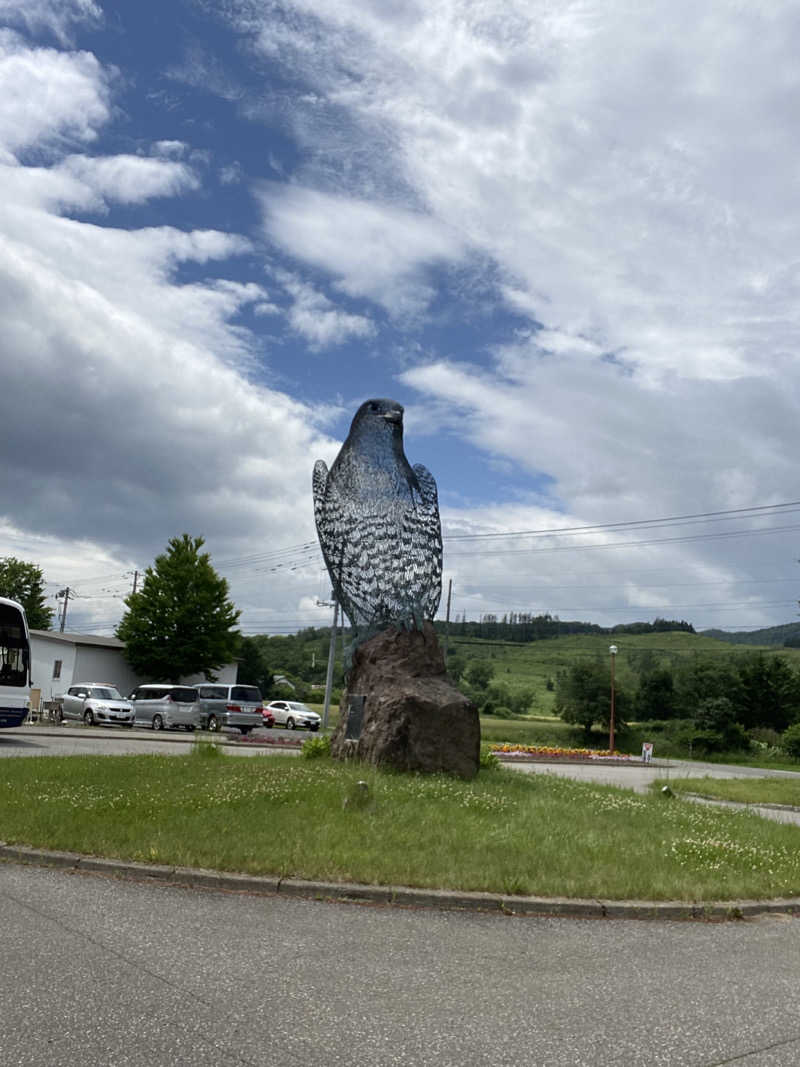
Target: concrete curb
403, 896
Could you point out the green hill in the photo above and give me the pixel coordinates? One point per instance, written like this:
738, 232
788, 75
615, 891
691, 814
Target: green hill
532, 665
788, 634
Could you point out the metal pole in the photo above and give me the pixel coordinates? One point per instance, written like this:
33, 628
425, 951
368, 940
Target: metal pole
65, 594
613, 651
331, 658
447, 618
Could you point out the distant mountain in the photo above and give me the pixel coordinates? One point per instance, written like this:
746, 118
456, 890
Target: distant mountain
788, 634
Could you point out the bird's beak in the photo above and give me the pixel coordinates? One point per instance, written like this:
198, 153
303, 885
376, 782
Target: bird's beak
393, 416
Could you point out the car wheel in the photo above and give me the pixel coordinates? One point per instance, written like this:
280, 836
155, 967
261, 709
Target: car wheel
245, 730
313, 729
213, 724
88, 717
190, 726
158, 722
269, 724
290, 724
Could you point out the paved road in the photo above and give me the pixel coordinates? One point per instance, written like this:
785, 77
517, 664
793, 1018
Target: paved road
118, 974
640, 777
114, 741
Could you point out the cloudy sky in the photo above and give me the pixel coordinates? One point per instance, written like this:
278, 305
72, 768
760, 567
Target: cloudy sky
563, 234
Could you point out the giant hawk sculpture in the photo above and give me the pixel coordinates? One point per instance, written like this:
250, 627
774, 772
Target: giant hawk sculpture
378, 525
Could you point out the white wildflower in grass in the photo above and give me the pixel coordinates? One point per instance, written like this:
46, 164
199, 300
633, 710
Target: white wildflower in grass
502, 831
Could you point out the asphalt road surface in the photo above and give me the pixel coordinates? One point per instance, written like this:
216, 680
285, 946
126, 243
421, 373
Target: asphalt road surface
103, 972
51, 740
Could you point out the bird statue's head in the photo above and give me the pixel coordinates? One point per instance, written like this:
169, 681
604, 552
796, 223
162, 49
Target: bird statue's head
380, 417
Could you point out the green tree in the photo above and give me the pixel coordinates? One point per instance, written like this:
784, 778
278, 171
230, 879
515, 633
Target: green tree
583, 697
24, 583
716, 728
479, 673
655, 698
253, 668
768, 693
181, 621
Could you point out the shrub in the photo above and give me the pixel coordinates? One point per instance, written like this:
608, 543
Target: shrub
488, 761
790, 742
502, 712
316, 747
205, 749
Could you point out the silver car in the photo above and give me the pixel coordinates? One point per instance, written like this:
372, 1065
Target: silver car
166, 707
291, 713
95, 702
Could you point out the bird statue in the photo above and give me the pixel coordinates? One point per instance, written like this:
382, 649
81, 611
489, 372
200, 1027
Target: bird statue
378, 525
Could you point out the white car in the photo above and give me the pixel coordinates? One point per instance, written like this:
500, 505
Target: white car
291, 713
95, 702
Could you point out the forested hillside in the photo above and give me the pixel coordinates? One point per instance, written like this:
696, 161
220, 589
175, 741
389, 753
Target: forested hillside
788, 635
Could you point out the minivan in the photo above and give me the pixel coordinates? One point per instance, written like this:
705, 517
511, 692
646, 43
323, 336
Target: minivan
236, 706
166, 707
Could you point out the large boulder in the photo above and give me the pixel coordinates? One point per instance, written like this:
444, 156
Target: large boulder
414, 719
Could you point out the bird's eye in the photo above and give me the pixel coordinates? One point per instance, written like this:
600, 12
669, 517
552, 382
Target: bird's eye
373, 407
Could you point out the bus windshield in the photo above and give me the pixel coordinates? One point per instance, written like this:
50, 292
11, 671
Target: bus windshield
14, 649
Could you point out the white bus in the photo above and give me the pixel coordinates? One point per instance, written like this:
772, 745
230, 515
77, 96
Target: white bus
15, 664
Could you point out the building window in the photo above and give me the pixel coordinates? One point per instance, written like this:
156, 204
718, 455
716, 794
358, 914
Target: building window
57, 668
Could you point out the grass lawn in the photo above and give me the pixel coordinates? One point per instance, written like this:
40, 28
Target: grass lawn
744, 790
504, 832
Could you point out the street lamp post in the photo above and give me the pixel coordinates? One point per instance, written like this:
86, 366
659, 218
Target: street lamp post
613, 650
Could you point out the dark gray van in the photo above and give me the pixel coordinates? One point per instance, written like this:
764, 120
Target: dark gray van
236, 706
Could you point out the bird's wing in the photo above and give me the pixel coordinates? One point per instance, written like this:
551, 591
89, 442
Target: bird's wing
319, 483
322, 514
341, 538
428, 542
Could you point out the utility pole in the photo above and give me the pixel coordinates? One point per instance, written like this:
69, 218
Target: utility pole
447, 618
65, 593
331, 658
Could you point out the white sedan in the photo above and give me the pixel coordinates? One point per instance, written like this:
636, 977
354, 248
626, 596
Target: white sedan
291, 713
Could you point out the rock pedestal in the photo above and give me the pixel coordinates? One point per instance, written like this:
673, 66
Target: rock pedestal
414, 719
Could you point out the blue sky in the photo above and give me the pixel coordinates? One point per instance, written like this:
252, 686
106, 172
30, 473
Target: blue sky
564, 236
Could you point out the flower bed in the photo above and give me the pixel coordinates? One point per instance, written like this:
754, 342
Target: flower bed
552, 752
277, 742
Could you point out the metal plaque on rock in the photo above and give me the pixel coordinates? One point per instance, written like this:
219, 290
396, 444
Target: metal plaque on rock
355, 718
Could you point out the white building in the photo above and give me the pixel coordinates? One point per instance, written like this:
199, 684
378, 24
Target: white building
59, 660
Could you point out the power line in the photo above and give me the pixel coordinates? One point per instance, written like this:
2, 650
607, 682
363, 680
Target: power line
630, 544
636, 523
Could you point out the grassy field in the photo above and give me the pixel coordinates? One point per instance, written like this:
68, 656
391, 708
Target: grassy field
744, 790
504, 832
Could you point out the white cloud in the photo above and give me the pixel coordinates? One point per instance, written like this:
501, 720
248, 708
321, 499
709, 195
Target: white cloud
129, 179
170, 149
635, 184
49, 96
127, 394
315, 317
373, 250
58, 16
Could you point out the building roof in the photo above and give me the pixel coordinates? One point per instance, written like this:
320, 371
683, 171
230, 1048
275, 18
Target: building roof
80, 639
